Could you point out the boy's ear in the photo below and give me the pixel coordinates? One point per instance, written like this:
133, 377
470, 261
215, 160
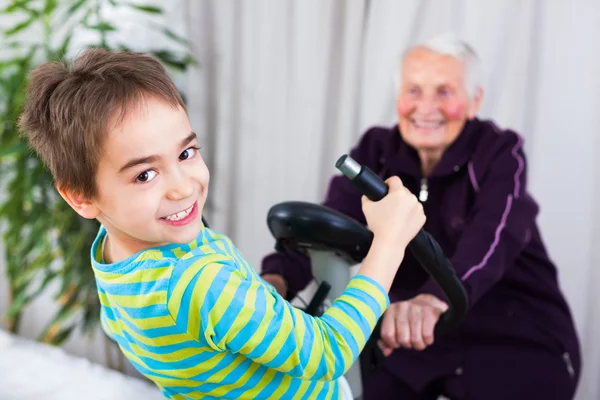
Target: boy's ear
79, 203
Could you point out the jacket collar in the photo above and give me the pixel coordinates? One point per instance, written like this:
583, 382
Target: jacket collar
402, 158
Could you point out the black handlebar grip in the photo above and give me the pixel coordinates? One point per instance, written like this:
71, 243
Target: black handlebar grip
424, 247
363, 178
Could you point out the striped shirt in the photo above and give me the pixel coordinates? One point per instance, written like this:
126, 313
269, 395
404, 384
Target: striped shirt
200, 322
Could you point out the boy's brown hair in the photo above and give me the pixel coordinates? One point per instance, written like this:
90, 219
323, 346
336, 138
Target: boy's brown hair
70, 110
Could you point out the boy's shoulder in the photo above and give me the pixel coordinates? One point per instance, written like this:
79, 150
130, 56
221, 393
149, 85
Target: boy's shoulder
209, 243
209, 247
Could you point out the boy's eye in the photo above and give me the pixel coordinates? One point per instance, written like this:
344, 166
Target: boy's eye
188, 153
146, 176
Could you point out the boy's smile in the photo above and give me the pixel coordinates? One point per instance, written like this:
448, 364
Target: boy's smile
182, 217
152, 182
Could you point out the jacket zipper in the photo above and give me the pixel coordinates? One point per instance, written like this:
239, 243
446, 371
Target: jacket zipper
424, 192
567, 360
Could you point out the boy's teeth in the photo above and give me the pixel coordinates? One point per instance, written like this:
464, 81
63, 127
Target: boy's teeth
179, 215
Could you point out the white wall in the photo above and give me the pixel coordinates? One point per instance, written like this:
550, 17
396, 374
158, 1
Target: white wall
565, 143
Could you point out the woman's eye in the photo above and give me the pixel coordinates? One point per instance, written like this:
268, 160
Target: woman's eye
146, 176
188, 153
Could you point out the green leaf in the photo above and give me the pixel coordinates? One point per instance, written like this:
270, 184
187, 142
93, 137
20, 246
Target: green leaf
147, 8
172, 35
58, 337
21, 26
66, 312
19, 302
75, 6
49, 7
103, 27
13, 45
12, 149
61, 52
17, 5
7, 63
171, 60
123, 47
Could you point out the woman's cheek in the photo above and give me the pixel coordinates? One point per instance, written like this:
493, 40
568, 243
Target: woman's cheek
454, 110
405, 106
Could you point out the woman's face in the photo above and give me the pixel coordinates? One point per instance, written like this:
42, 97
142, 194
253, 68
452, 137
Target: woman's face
433, 103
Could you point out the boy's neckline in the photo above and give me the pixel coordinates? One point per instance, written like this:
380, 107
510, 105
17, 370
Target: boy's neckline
102, 252
168, 250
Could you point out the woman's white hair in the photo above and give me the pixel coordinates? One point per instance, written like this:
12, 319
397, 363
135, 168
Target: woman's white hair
449, 44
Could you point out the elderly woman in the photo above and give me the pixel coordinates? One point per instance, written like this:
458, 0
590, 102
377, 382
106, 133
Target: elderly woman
518, 340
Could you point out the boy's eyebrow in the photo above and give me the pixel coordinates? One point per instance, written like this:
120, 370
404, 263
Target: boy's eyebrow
188, 139
151, 159
138, 161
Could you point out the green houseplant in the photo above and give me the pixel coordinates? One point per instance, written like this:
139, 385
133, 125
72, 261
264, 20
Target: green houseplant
46, 242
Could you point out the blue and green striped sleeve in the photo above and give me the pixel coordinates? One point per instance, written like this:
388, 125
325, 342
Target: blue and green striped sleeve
229, 309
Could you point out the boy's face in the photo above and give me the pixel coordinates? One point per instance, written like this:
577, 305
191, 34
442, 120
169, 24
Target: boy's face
151, 180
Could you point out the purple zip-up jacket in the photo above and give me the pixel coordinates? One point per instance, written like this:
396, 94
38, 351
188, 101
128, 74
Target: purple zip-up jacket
480, 211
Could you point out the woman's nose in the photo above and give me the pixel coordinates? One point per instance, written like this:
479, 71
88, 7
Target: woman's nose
427, 106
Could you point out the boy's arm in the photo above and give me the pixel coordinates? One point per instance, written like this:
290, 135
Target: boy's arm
229, 309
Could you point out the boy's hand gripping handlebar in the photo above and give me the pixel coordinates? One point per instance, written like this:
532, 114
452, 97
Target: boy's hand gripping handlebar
424, 247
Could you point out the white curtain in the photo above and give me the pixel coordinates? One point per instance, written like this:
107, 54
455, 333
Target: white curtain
285, 87
275, 97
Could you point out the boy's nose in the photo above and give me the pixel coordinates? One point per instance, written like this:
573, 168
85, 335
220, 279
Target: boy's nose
181, 187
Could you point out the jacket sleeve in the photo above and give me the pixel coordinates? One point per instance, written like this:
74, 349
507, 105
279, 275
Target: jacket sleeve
224, 308
341, 196
498, 226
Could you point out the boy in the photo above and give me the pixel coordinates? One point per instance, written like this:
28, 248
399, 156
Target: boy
180, 300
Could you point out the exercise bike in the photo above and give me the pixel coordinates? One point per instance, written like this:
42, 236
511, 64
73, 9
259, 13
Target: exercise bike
335, 242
